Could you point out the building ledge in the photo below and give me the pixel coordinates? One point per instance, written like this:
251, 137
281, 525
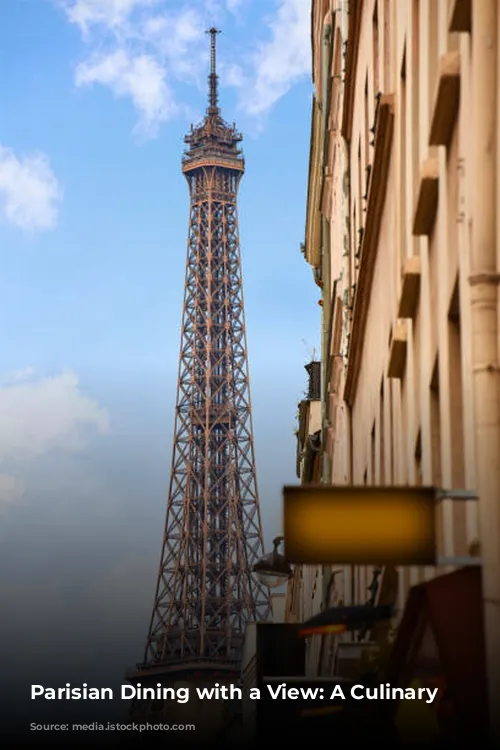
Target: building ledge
460, 18
353, 34
375, 207
312, 250
427, 200
446, 100
410, 287
397, 352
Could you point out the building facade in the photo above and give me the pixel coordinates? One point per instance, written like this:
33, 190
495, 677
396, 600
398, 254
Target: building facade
402, 238
305, 588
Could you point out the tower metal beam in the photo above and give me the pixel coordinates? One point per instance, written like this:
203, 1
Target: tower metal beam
206, 593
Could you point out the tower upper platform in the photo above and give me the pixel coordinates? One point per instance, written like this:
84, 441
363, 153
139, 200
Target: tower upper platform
213, 142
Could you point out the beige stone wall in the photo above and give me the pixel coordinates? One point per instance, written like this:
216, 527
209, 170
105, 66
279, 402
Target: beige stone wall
417, 427
413, 428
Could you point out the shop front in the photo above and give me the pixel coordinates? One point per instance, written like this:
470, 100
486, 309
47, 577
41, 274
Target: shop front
440, 644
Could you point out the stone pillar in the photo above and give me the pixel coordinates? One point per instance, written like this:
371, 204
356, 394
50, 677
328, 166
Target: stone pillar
485, 329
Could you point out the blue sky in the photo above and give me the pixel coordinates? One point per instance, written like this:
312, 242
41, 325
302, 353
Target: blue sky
96, 96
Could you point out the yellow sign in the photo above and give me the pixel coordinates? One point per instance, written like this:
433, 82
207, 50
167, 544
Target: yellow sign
417, 722
360, 525
322, 630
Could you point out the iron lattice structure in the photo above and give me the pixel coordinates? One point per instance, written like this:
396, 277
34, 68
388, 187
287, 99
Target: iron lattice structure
206, 591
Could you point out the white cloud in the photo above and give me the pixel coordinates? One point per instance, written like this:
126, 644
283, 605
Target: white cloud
141, 49
141, 78
38, 415
19, 375
29, 191
146, 49
283, 60
215, 9
11, 490
112, 13
232, 75
174, 32
175, 38
234, 5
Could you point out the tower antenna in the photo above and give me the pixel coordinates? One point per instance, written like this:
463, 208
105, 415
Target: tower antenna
213, 80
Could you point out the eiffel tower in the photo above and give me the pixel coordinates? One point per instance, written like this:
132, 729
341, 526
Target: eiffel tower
206, 593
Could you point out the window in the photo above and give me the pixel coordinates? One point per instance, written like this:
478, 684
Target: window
436, 451
403, 238
435, 427
455, 389
387, 44
381, 421
418, 460
366, 135
376, 61
390, 434
413, 123
432, 62
373, 457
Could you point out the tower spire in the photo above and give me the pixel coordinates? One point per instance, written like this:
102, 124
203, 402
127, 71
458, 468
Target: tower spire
213, 80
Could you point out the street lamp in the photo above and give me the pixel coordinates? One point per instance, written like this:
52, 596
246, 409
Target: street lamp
272, 569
